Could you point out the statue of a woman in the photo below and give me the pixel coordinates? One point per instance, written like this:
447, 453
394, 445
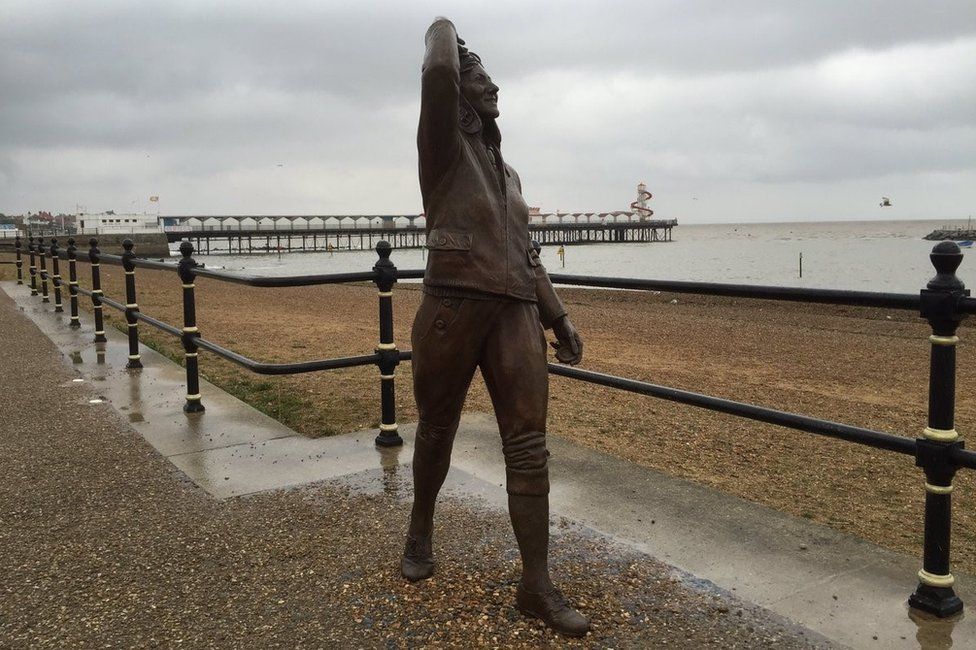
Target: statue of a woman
487, 300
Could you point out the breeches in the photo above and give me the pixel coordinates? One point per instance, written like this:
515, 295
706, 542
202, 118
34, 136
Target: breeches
451, 338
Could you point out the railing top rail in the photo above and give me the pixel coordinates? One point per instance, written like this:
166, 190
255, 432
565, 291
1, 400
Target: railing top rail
765, 292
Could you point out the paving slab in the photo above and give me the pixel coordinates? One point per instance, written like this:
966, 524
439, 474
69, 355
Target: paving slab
151, 398
844, 588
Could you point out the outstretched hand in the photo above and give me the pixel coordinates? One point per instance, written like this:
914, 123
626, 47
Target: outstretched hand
569, 348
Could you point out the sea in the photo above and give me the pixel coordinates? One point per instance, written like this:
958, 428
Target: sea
888, 256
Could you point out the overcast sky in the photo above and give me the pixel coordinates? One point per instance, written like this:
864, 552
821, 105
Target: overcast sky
729, 111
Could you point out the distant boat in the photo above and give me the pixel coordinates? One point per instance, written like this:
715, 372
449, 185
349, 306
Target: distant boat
965, 244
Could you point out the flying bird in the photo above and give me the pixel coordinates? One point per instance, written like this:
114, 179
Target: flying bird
885, 202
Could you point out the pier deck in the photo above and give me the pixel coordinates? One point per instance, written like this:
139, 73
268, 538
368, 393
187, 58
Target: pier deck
247, 241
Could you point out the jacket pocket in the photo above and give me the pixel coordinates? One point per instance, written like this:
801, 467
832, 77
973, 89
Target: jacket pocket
442, 239
435, 315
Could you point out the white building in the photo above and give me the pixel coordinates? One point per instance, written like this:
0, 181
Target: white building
109, 222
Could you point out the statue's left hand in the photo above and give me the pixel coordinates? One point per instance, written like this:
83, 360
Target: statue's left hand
569, 349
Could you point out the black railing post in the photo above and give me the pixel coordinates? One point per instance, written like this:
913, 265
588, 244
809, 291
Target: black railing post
385, 278
56, 275
32, 268
131, 306
96, 290
19, 261
940, 306
191, 353
42, 270
73, 321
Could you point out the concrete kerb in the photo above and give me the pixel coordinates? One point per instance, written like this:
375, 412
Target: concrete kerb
846, 589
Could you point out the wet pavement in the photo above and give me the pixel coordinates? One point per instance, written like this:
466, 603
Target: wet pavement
845, 589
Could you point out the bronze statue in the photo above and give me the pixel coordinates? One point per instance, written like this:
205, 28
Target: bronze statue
487, 299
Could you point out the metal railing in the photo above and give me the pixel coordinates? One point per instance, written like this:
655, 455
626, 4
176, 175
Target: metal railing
944, 302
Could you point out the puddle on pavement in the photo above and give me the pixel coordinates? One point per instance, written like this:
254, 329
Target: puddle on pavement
934, 633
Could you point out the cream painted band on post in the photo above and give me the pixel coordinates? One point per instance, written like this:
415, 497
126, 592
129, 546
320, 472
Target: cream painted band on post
386, 346
132, 306
191, 354
386, 294
98, 291
130, 272
73, 282
938, 489
941, 435
190, 330
56, 277
74, 318
387, 376
95, 264
943, 340
194, 396
99, 331
388, 427
189, 286
934, 580
132, 324
133, 356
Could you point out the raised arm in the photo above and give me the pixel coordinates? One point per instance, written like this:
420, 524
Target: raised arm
437, 136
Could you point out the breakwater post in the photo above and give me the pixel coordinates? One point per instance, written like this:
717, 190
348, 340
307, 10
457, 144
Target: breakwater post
191, 354
940, 306
386, 277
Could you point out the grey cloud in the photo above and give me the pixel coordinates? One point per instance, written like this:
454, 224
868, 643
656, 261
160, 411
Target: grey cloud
201, 101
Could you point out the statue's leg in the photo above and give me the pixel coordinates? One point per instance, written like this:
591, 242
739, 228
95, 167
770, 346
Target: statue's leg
514, 368
445, 355
515, 371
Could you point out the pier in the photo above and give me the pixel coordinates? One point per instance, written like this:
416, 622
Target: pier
363, 233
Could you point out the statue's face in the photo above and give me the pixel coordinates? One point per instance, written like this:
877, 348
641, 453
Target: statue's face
481, 93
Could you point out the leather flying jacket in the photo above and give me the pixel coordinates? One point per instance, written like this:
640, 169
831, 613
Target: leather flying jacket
477, 221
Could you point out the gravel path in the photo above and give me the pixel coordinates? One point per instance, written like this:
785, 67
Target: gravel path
103, 543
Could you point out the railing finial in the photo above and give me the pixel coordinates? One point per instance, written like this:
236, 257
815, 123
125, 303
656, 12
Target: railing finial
946, 257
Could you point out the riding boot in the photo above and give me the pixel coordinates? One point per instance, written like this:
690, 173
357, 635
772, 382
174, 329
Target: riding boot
536, 596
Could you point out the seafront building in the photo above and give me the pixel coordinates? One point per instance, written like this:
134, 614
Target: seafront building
111, 222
